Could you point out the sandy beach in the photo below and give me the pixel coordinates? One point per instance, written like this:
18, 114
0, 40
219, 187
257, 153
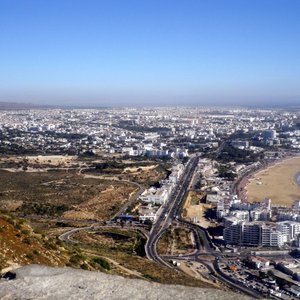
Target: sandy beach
277, 182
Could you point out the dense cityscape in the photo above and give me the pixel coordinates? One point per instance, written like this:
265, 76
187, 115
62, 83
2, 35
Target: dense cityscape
149, 150
248, 245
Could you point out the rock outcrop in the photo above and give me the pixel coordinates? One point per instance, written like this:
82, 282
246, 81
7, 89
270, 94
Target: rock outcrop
41, 282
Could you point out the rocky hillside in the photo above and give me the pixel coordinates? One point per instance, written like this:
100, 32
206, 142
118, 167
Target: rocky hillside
21, 246
38, 282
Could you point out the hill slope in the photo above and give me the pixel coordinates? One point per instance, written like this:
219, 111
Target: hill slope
21, 246
38, 282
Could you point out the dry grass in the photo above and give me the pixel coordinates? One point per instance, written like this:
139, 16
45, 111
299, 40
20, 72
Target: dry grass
193, 198
193, 209
115, 240
44, 196
20, 245
277, 183
155, 272
109, 245
38, 163
175, 241
61, 193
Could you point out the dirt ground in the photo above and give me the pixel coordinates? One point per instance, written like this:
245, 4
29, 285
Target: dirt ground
55, 160
176, 241
195, 211
38, 162
276, 182
20, 246
196, 270
141, 168
60, 193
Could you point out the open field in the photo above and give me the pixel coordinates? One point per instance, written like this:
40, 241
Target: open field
145, 172
276, 182
113, 239
54, 160
175, 241
124, 250
53, 194
37, 163
196, 211
61, 194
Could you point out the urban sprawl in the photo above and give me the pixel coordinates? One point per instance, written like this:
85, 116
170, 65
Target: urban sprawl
213, 152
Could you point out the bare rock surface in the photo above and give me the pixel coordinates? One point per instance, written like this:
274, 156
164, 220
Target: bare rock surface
41, 282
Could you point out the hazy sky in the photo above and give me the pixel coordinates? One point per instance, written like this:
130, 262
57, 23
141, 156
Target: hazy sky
116, 52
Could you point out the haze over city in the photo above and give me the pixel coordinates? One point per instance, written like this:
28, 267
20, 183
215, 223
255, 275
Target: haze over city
150, 149
106, 53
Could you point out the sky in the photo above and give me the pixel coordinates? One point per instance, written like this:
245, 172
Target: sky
150, 52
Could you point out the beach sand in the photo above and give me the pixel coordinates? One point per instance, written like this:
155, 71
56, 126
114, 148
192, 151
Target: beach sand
276, 182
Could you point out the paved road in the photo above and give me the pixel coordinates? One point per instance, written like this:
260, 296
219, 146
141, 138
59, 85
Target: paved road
132, 199
204, 245
170, 211
233, 283
65, 237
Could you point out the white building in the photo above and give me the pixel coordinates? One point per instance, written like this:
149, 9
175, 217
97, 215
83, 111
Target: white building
272, 238
152, 216
148, 213
155, 196
255, 234
291, 229
176, 173
260, 214
269, 134
242, 215
233, 234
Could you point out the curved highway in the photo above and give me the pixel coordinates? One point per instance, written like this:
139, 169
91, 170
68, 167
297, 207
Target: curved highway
170, 211
204, 246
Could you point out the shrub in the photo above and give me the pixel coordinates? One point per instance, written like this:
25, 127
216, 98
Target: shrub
29, 256
84, 266
27, 241
36, 252
102, 263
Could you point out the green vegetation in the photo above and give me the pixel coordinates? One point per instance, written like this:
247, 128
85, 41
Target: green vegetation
230, 153
113, 240
29, 256
117, 166
139, 246
226, 171
76, 259
102, 262
175, 240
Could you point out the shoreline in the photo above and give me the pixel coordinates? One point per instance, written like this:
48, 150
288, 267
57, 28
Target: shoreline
297, 178
242, 188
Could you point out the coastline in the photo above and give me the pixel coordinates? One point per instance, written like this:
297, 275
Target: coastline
297, 178
247, 181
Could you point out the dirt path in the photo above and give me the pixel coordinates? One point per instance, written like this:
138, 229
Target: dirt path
116, 264
193, 273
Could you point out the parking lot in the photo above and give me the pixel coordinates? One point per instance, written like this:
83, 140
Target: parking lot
240, 273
